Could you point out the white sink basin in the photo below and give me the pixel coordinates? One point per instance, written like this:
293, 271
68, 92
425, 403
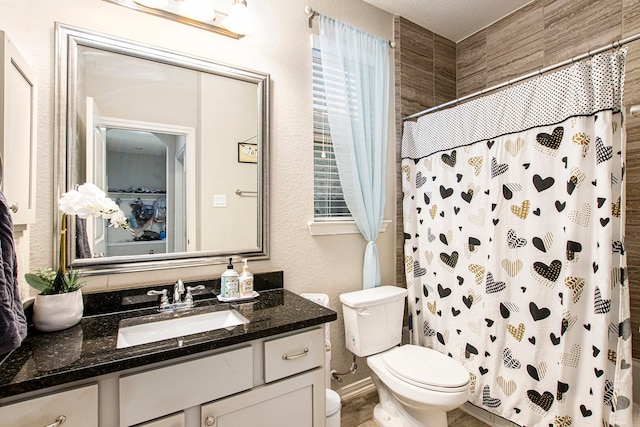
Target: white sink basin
158, 330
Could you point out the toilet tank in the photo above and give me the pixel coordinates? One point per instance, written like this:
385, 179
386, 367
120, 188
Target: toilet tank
373, 319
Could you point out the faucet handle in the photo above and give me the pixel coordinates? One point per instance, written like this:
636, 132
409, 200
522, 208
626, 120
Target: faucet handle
164, 299
189, 298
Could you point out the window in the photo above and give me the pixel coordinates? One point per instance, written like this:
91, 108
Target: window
328, 200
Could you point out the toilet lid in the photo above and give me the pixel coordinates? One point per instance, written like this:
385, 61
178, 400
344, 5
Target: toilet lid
426, 368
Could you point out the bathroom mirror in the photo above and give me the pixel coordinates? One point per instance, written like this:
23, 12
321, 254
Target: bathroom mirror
179, 142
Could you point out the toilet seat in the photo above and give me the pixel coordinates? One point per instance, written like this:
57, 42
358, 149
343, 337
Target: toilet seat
426, 368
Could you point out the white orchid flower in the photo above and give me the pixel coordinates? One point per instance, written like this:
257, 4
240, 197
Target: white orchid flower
90, 201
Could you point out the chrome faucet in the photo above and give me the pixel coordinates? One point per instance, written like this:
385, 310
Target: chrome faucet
177, 303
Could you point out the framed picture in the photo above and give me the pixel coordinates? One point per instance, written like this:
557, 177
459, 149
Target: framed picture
247, 153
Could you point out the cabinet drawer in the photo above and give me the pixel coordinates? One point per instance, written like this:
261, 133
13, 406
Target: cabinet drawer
175, 420
79, 407
162, 391
292, 354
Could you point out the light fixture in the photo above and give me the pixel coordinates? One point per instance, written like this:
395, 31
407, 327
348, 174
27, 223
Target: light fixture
238, 19
156, 4
197, 13
200, 10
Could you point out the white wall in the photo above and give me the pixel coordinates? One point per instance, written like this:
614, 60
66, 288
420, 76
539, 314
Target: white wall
228, 111
279, 45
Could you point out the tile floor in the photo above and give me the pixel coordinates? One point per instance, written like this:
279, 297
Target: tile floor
358, 412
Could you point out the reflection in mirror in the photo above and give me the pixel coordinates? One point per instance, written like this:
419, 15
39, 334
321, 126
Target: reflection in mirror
138, 166
180, 143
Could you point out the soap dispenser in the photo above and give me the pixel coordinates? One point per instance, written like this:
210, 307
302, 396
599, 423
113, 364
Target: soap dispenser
246, 281
230, 286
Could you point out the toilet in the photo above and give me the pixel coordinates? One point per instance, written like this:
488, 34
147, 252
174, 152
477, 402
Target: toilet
333, 403
416, 385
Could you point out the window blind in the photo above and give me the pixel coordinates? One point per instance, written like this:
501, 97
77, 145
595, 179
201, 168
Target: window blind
328, 200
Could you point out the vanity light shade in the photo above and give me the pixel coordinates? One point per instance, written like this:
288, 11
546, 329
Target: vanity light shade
156, 4
200, 10
238, 19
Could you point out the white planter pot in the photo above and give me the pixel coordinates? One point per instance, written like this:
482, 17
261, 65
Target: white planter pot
57, 312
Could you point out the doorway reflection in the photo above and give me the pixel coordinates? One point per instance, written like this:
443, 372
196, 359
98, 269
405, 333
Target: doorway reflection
145, 175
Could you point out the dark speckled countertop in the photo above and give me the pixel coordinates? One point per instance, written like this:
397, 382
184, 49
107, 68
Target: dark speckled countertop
89, 348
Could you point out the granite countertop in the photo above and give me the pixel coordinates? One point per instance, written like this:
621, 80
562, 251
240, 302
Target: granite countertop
89, 348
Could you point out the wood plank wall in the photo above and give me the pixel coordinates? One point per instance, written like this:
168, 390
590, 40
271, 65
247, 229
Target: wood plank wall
542, 33
425, 76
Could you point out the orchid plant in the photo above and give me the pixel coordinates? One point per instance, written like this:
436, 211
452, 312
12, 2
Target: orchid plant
87, 201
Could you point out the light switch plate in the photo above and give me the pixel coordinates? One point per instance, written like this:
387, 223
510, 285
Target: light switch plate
219, 200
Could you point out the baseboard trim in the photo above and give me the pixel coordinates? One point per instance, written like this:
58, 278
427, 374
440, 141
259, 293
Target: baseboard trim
356, 389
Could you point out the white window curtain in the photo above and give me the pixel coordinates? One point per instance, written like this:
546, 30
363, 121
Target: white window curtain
355, 66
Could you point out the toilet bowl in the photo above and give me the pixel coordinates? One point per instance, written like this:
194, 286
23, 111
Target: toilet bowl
424, 381
416, 385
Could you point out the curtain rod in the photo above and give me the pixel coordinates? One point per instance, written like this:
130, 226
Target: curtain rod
541, 71
312, 14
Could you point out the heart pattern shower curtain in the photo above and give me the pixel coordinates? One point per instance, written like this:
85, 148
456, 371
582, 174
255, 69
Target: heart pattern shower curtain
514, 245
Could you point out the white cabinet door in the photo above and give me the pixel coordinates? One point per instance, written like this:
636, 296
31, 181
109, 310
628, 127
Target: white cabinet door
17, 133
73, 408
294, 402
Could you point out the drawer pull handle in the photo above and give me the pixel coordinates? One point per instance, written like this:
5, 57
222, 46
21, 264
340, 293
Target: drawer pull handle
14, 207
295, 356
209, 421
59, 421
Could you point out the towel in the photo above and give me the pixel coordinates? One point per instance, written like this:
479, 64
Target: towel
83, 250
13, 323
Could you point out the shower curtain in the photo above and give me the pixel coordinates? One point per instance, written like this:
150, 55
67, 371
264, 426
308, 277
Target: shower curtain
514, 245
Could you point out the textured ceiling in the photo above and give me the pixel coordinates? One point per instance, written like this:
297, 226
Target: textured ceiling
453, 19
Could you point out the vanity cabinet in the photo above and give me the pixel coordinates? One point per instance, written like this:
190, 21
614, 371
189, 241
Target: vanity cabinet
17, 133
275, 381
269, 372
73, 408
